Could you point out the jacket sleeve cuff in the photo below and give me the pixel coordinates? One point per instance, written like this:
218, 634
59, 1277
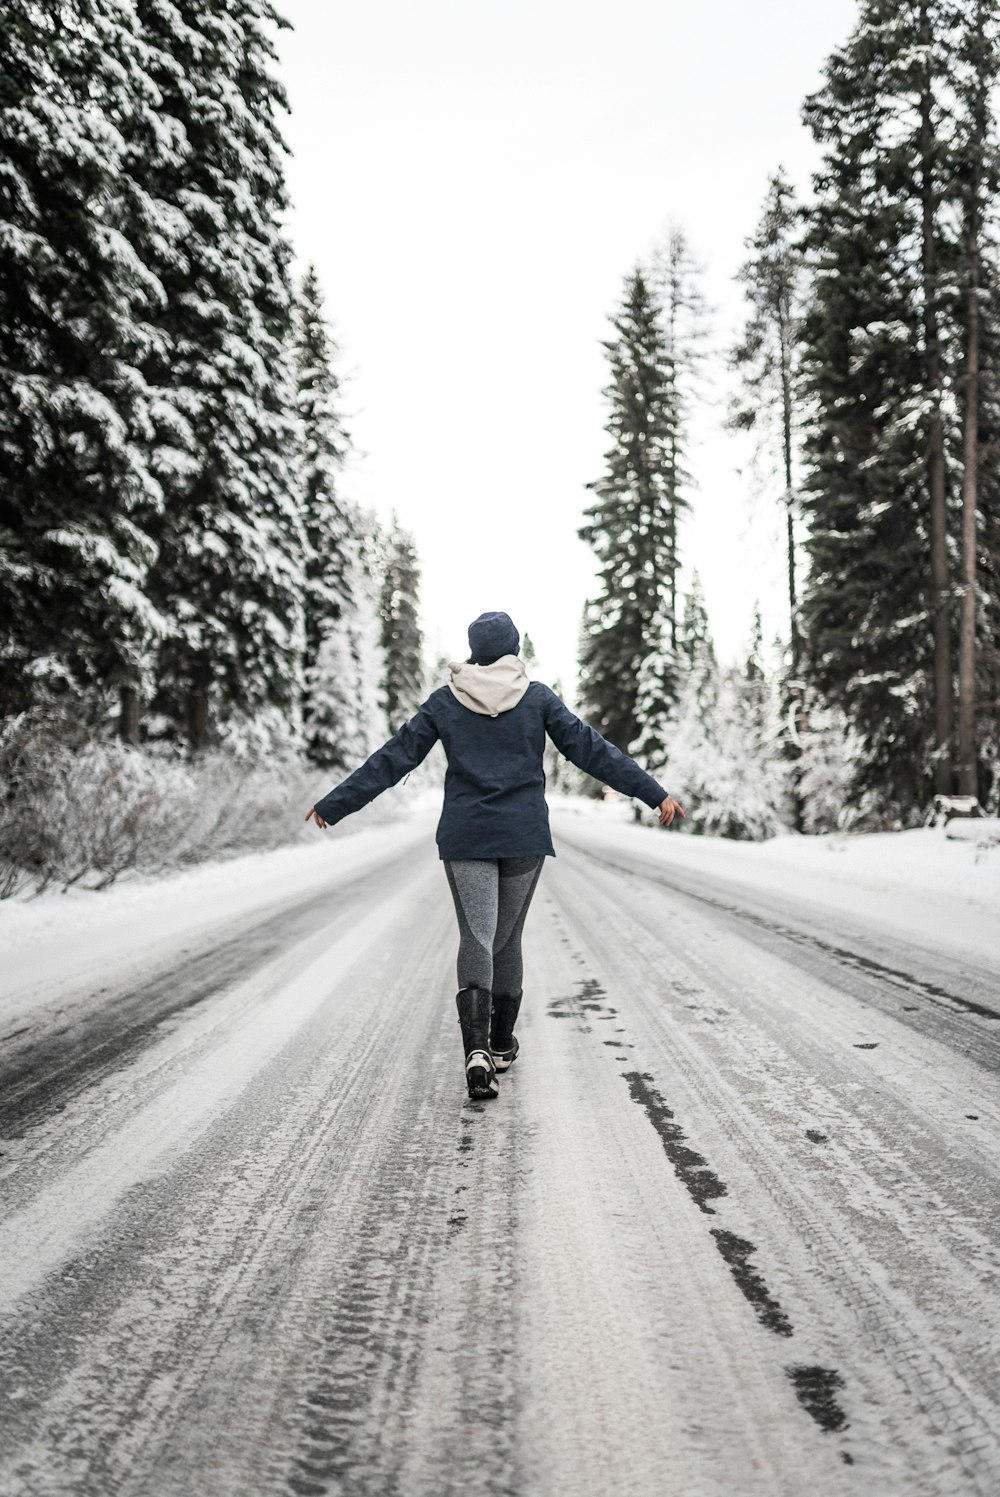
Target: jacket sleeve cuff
330, 811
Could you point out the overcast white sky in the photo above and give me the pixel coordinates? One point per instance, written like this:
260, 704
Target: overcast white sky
473, 178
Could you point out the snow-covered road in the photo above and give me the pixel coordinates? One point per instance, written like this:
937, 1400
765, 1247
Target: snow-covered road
732, 1228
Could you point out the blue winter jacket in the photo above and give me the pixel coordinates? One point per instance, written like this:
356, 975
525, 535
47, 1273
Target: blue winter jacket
494, 788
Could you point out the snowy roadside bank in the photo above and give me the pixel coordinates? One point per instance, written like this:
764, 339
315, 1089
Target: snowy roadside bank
934, 892
47, 938
919, 884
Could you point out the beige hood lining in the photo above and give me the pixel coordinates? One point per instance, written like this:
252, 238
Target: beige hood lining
489, 689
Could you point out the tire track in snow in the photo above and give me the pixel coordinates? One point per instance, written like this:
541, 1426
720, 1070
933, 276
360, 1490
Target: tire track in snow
903, 1338
43, 1075
814, 1385
331, 1273
696, 886
312, 1293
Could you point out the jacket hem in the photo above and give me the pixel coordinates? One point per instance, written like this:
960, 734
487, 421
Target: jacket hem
456, 855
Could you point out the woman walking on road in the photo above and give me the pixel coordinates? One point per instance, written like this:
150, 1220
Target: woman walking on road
493, 835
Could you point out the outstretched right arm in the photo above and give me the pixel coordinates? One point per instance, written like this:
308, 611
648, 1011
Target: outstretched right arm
387, 766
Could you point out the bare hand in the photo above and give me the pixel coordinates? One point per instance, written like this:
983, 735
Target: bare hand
668, 809
314, 815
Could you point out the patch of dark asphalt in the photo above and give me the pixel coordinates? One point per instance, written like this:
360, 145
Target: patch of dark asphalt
736, 1253
36, 1082
814, 1386
700, 1182
815, 1389
41, 1077
938, 995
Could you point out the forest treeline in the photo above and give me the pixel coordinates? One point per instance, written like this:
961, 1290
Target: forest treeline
178, 565
186, 585
868, 375
173, 544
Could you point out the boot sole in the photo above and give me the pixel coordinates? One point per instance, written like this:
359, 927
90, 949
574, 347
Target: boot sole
481, 1081
482, 1087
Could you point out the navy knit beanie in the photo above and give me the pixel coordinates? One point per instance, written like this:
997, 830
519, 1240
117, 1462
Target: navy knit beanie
492, 635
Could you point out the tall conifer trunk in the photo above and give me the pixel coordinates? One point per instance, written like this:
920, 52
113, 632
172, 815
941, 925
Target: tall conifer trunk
128, 717
197, 708
967, 746
943, 690
967, 753
785, 334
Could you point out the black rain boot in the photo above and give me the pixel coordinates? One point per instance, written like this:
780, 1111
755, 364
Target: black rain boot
474, 1017
503, 1042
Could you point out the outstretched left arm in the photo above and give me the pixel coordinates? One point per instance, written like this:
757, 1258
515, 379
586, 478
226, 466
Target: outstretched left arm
583, 746
387, 766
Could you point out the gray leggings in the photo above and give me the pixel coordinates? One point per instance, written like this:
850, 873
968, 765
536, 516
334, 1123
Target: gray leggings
491, 897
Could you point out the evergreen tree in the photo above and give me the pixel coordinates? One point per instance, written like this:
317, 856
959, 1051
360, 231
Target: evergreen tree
767, 359
333, 531
756, 694
345, 718
723, 755
694, 641
632, 525
401, 638
229, 571
675, 277
78, 132
326, 517
558, 771
656, 699
876, 608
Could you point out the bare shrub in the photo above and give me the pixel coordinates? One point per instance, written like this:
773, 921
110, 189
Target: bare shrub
75, 810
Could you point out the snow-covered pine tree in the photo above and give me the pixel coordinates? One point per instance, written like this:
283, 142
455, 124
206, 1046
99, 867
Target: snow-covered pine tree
77, 130
346, 717
229, 574
875, 611
373, 720
675, 279
766, 358
401, 637
632, 524
723, 756
695, 648
656, 698
325, 444
828, 777
332, 538
557, 770
684, 759
770, 394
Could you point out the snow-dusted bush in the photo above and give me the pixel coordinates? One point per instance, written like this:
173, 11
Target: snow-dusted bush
85, 812
724, 762
828, 771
